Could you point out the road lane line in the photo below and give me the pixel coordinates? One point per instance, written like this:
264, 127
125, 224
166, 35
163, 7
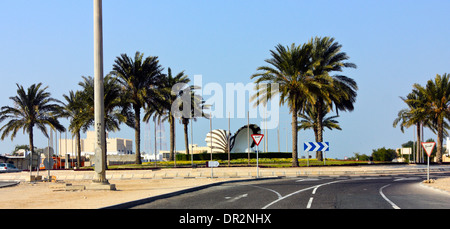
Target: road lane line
278, 194
236, 198
308, 179
299, 191
309, 202
388, 200
314, 191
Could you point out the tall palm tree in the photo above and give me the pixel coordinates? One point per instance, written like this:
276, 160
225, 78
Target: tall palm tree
117, 111
32, 107
436, 100
137, 77
196, 111
341, 93
75, 109
169, 89
413, 115
309, 121
291, 70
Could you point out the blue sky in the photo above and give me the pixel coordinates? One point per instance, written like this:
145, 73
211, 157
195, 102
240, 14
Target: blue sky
394, 44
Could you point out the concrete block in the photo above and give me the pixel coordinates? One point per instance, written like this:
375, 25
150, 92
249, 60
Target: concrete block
101, 187
33, 178
59, 186
127, 176
75, 188
138, 176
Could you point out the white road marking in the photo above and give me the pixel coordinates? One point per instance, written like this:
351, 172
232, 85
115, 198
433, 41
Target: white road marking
406, 178
296, 192
309, 202
236, 198
278, 194
314, 191
307, 179
388, 200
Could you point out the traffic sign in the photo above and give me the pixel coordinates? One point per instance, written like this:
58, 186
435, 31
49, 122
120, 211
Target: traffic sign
212, 164
316, 146
428, 147
257, 138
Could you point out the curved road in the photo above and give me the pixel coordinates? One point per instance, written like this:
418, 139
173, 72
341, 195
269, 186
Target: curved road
389, 192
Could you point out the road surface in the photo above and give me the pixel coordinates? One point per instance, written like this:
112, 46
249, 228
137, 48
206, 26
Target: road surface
360, 192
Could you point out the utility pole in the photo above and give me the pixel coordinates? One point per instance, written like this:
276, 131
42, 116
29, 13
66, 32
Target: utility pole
100, 163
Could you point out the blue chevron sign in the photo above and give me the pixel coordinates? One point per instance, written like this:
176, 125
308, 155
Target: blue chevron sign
317, 146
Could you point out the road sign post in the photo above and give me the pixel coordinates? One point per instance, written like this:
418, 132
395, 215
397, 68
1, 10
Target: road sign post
428, 147
257, 139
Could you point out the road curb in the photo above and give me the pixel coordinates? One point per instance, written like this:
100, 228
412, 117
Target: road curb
435, 188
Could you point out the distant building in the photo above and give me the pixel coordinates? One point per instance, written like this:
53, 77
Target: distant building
115, 146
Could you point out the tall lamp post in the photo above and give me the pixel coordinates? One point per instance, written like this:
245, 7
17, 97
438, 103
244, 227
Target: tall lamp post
100, 154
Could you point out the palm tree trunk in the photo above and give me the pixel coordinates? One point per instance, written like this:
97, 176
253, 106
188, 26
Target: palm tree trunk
440, 136
31, 148
77, 138
316, 135
137, 133
294, 136
419, 145
186, 137
319, 136
172, 137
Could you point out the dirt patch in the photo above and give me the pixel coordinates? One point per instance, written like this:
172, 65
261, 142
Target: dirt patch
441, 183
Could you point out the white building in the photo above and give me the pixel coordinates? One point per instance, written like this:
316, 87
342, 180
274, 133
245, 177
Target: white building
115, 146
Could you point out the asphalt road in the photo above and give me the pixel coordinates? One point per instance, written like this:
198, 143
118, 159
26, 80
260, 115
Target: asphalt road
385, 192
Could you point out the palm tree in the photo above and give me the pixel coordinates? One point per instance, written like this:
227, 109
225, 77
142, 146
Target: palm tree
197, 110
436, 101
341, 92
137, 77
117, 111
75, 109
309, 121
413, 115
169, 89
116, 108
32, 107
291, 70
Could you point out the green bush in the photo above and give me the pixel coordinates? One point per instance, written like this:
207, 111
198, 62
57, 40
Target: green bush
383, 154
224, 156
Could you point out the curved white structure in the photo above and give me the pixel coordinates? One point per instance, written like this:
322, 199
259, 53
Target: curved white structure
239, 142
219, 141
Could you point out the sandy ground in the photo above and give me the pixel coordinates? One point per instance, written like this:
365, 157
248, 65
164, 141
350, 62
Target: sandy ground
442, 184
43, 195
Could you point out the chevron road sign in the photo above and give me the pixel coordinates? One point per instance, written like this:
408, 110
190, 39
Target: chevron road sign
317, 146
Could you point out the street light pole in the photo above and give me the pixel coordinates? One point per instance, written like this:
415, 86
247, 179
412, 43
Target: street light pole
100, 164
